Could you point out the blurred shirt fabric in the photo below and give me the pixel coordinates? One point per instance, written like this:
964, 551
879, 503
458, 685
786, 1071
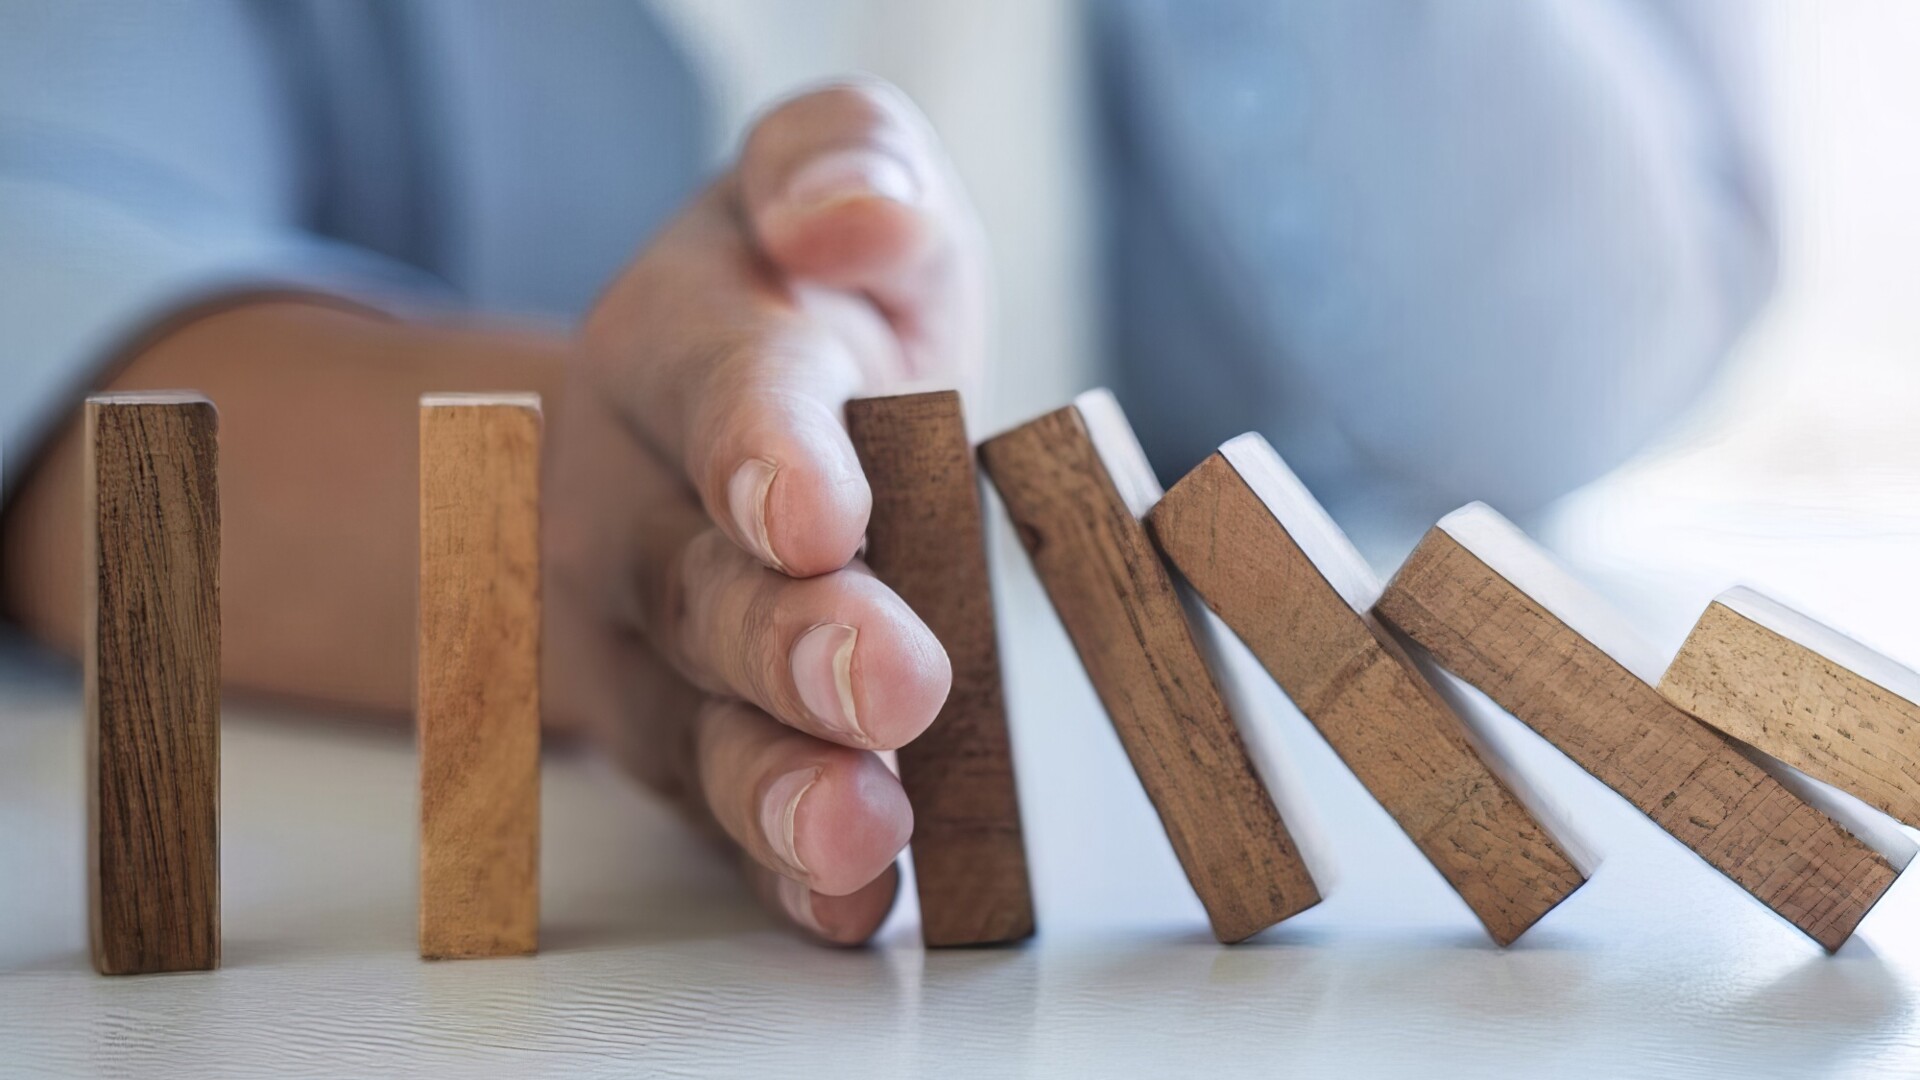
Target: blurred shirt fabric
1434, 251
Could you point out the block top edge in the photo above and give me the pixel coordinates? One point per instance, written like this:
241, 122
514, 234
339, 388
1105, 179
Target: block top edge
1810, 633
1119, 449
480, 400
1530, 568
1313, 530
149, 397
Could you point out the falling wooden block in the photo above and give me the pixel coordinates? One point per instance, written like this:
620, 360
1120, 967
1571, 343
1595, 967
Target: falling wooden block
479, 675
1496, 610
925, 540
1266, 557
1806, 694
152, 671
1076, 484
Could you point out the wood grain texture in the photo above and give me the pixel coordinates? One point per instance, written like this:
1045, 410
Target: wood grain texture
479, 675
1113, 594
1689, 779
926, 541
152, 672
1356, 683
1808, 695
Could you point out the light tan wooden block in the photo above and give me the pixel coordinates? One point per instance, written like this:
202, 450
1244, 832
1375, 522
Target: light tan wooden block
479, 675
925, 540
1076, 484
1496, 610
1269, 560
152, 671
1806, 694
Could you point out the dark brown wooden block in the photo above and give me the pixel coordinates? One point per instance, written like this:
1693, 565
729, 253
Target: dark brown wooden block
1076, 485
152, 669
479, 675
1269, 560
925, 540
1498, 612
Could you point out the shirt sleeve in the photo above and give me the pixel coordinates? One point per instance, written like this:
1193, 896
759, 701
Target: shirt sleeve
1437, 252
150, 160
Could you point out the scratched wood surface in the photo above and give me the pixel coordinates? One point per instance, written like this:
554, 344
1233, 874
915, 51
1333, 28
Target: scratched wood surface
152, 676
925, 540
1693, 782
1244, 549
1113, 594
478, 709
1801, 691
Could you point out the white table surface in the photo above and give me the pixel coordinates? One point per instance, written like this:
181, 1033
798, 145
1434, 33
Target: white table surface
653, 962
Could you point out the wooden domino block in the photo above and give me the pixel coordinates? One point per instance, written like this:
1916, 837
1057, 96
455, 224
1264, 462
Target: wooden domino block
152, 670
1266, 557
1076, 485
479, 675
1806, 694
925, 540
1496, 610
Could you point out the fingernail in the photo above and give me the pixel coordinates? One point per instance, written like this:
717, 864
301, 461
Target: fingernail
850, 174
797, 899
779, 808
823, 671
747, 502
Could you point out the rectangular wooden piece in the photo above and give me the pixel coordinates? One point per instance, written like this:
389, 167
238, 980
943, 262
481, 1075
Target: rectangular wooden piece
478, 702
1497, 611
1076, 486
925, 540
1806, 694
151, 660
1269, 561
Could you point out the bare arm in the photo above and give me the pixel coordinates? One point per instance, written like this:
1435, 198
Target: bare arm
319, 482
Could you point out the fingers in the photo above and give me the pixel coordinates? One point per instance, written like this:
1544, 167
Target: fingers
838, 656
848, 187
837, 920
826, 816
731, 346
713, 362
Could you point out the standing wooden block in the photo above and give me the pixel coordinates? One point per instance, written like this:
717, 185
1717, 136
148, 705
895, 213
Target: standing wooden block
1809, 695
152, 670
925, 540
1266, 557
1497, 611
479, 675
1076, 484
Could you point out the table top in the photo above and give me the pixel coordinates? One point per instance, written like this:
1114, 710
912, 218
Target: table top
654, 961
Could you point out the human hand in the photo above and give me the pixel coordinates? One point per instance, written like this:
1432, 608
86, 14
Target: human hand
709, 622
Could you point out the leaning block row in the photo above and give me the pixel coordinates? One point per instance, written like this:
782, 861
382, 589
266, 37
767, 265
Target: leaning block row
1362, 661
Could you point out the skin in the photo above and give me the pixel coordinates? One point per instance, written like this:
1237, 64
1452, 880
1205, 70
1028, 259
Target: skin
703, 506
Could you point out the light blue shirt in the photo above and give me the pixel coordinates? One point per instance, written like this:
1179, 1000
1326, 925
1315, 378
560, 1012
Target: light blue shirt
1435, 251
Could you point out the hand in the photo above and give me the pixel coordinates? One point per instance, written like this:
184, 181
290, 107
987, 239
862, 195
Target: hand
708, 619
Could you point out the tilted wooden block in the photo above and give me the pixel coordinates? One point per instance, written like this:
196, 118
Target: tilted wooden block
1266, 557
478, 708
1496, 610
1806, 694
152, 670
925, 540
1076, 484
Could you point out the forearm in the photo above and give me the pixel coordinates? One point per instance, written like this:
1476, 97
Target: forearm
319, 487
